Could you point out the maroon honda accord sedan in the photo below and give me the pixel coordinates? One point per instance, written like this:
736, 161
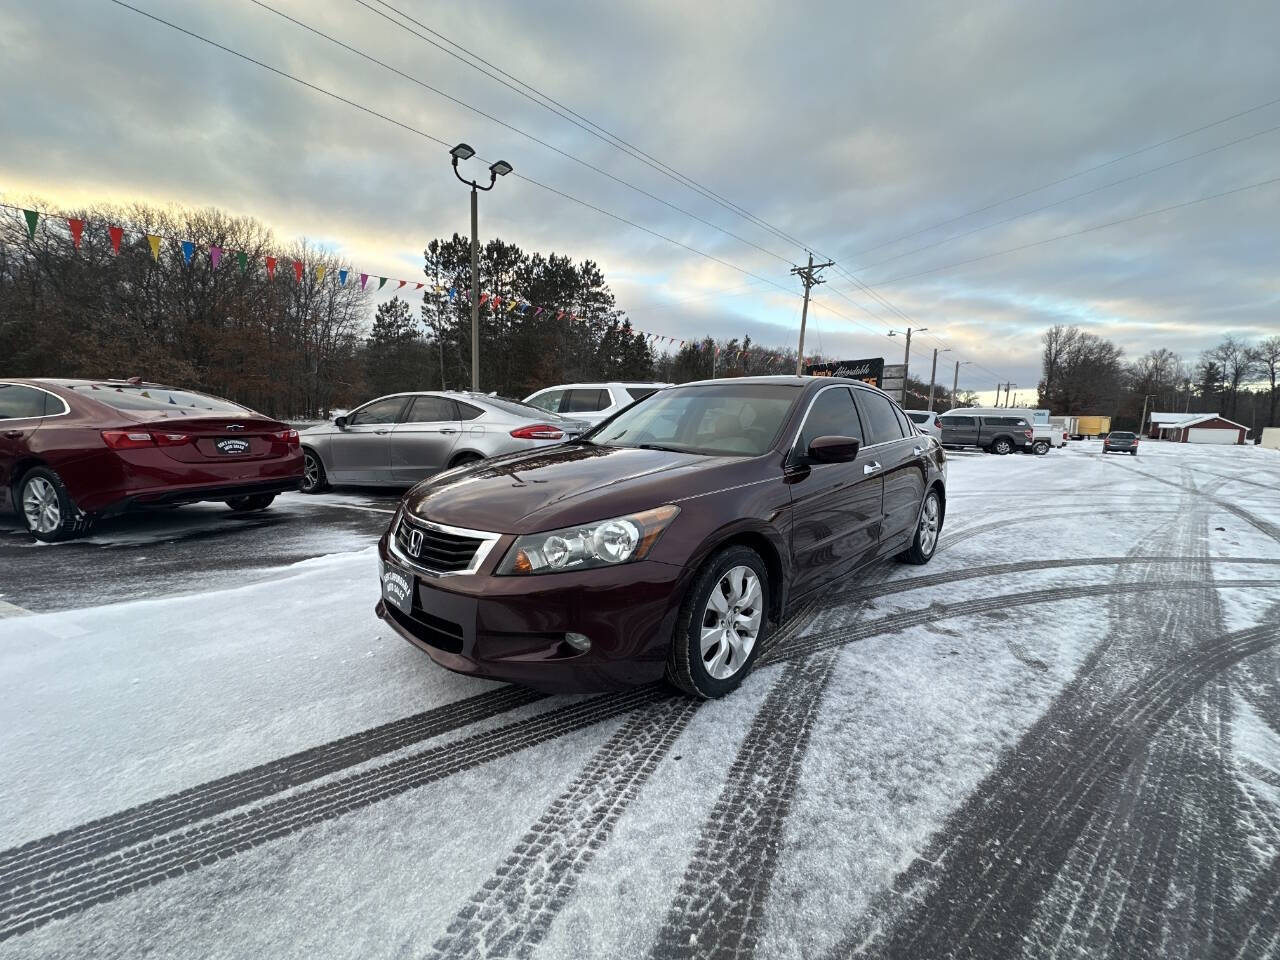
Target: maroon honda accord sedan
75, 450
667, 541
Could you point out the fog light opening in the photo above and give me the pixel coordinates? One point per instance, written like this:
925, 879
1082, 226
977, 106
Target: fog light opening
578, 641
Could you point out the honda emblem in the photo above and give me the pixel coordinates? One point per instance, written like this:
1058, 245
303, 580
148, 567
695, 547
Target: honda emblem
415, 542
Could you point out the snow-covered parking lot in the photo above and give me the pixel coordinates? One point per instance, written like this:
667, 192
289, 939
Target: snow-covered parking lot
1060, 738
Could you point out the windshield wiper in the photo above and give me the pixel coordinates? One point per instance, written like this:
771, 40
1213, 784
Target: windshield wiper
659, 446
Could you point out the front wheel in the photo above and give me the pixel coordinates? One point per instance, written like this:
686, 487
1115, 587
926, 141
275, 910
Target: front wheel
1002, 446
1133, 453
255, 501
47, 509
927, 529
722, 622
1040, 448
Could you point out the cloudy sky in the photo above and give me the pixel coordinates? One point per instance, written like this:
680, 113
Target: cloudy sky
870, 133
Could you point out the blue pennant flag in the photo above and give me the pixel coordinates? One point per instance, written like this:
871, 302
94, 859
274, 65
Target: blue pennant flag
188, 248
342, 278
452, 291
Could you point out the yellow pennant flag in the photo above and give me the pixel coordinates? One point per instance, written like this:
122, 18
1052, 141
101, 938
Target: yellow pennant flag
155, 247
320, 273
511, 305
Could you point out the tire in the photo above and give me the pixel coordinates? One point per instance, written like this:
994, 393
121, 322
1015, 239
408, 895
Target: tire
254, 501
462, 459
1133, 453
928, 528
314, 479
1002, 446
687, 662
1040, 448
46, 508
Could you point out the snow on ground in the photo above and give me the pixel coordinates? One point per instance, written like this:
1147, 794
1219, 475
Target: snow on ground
896, 743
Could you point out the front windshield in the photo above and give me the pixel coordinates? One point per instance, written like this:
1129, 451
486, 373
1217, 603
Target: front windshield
725, 419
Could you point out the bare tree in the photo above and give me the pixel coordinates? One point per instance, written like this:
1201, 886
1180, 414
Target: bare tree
1237, 363
1266, 356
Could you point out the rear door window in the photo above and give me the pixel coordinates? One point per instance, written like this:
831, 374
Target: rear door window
878, 418
586, 401
19, 402
548, 400
431, 410
907, 429
467, 412
832, 415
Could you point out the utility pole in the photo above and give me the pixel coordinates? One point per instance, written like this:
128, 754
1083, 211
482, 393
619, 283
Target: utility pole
475, 294
955, 385
809, 277
999, 387
1142, 424
906, 361
933, 378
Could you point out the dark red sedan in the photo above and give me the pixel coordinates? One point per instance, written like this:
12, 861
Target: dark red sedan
664, 542
75, 450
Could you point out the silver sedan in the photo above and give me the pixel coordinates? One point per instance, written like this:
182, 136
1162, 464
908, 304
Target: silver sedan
406, 437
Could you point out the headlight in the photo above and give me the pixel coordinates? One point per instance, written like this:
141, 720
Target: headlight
603, 543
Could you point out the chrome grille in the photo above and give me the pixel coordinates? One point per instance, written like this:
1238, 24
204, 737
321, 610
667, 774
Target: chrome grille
435, 549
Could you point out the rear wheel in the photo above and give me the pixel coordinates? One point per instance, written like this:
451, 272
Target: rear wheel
255, 501
722, 622
463, 459
927, 529
1040, 448
1002, 446
313, 477
46, 507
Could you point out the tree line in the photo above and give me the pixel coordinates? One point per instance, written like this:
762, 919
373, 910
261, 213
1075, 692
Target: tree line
1084, 373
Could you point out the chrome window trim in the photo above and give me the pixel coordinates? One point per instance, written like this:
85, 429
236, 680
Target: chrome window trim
488, 542
66, 407
851, 387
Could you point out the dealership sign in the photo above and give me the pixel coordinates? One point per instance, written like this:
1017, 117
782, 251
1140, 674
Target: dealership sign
868, 371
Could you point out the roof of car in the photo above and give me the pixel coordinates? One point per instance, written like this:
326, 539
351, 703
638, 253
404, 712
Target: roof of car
71, 382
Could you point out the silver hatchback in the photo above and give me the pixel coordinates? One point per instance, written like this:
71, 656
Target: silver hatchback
406, 437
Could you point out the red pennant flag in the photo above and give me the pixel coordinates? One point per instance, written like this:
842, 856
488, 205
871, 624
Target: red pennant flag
297, 270
538, 311
483, 298
271, 267
117, 234
77, 229
559, 314
418, 286
403, 282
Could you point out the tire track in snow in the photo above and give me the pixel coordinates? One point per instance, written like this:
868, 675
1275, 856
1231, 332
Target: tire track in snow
211, 840
973, 890
206, 842
513, 911
718, 912
67, 848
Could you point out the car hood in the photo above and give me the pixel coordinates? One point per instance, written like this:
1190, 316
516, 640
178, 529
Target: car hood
565, 485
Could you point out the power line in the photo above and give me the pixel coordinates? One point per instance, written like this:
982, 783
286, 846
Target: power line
514, 129
434, 139
1073, 176
1077, 233
590, 127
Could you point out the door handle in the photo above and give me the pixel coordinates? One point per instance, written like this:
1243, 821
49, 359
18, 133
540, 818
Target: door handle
13, 434
448, 430
870, 468
380, 432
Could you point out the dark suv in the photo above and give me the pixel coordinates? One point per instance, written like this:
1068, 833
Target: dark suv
997, 432
664, 542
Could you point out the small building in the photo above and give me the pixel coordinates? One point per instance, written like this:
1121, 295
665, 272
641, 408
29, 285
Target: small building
1196, 428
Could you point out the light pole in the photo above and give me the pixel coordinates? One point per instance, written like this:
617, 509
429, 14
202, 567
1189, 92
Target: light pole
500, 169
906, 359
933, 375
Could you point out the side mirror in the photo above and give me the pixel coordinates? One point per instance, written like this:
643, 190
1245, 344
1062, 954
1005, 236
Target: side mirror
340, 422
834, 449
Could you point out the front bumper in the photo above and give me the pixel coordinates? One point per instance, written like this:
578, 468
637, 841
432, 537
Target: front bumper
513, 628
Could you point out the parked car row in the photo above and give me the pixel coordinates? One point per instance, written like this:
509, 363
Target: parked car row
666, 541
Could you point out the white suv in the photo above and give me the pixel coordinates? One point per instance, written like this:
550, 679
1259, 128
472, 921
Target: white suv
592, 402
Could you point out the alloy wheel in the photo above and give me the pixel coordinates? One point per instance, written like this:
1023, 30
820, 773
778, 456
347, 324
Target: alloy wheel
41, 506
310, 472
928, 528
731, 622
